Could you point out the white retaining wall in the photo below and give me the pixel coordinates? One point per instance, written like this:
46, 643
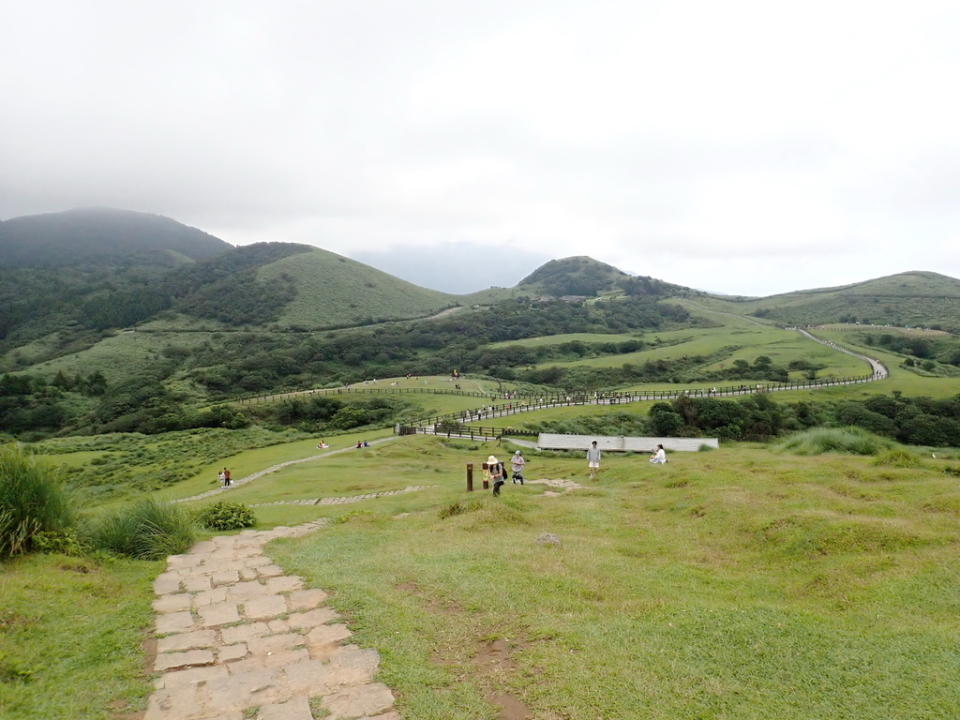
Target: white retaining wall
552, 441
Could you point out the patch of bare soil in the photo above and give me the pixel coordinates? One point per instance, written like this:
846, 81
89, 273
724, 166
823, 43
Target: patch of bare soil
495, 661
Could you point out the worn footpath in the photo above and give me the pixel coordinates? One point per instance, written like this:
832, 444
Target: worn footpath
238, 639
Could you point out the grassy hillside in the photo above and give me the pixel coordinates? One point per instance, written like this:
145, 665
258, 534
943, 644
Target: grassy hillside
907, 299
102, 236
334, 291
737, 583
586, 277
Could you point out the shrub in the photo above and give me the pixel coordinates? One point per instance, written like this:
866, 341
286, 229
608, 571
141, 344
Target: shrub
148, 530
844, 440
33, 502
226, 516
897, 457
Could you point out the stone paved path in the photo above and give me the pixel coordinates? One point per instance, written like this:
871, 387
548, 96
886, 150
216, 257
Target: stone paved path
344, 499
238, 639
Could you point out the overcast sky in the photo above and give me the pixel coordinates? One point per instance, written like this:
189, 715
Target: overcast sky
741, 147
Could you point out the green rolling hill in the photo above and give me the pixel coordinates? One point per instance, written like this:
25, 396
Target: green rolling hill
911, 299
335, 291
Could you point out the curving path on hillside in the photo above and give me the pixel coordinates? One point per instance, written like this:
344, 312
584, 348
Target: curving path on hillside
879, 372
272, 469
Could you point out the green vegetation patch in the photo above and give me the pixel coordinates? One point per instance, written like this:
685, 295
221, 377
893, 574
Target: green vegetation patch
71, 635
844, 440
736, 583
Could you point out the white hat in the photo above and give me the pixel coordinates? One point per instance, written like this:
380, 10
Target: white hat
492, 460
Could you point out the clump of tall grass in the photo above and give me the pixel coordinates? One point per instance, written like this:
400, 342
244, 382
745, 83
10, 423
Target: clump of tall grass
897, 457
146, 530
817, 441
33, 502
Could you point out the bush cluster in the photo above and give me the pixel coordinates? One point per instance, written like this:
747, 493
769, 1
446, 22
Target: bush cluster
146, 530
226, 516
34, 506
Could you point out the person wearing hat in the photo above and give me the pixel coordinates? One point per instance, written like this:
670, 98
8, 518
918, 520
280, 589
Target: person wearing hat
516, 464
495, 469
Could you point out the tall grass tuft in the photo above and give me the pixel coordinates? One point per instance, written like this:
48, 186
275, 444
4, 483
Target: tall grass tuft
33, 502
147, 530
851, 440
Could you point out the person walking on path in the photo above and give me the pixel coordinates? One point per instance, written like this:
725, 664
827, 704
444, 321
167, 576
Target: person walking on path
227, 481
593, 460
222, 478
495, 473
659, 457
517, 464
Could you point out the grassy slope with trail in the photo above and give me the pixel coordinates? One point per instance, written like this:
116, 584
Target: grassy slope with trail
737, 583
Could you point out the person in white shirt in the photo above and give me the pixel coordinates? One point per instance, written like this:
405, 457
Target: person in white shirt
517, 464
659, 457
593, 460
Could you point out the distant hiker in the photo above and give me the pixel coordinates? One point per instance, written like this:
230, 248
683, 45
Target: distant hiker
322, 445
593, 460
359, 444
366, 444
659, 457
227, 482
516, 464
222, 478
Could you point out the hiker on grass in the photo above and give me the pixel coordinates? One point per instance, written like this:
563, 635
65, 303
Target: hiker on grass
593, 460
659, 457
516, 464
495, 471
226, 478
222, 478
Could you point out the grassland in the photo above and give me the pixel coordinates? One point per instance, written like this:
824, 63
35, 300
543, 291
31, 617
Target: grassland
333, 291
71, 635
737, 583
123, 356
565, 338
729, 343
912, 298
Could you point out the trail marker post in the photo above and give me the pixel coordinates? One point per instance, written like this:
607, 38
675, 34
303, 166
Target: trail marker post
469, 477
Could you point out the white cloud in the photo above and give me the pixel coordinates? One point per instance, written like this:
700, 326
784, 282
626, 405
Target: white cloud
745, 146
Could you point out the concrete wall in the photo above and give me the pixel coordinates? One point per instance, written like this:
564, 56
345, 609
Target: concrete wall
552, 441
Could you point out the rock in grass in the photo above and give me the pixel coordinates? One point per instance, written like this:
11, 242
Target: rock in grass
548, 539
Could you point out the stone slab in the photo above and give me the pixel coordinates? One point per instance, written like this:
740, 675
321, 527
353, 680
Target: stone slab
187, 641
296, 709
262, 608
219, 614
359, 701
170, 660
305, 599
174, 622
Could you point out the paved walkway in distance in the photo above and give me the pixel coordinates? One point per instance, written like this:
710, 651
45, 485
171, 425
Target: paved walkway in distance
273, 468
239, 640
344, 500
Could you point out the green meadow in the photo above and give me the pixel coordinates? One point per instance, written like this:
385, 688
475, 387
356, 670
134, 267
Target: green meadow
740, 583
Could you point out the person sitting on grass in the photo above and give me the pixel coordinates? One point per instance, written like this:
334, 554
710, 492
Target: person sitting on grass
659, 456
